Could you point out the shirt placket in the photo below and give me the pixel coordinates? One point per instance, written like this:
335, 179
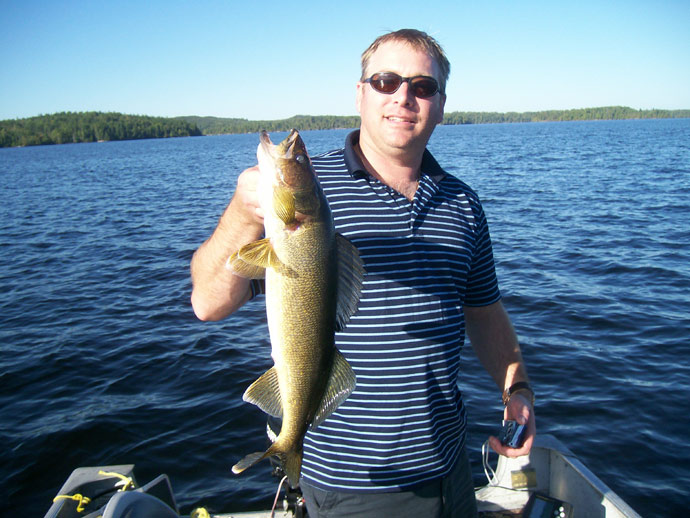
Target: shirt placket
425, 191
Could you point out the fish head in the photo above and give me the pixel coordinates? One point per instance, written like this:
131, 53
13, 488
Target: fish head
288, 169
292, 164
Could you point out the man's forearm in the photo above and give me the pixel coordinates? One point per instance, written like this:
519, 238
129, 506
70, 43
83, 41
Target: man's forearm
495, 343
216, 291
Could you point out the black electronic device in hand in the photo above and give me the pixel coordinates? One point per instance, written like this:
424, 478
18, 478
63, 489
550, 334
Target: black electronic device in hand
512, 434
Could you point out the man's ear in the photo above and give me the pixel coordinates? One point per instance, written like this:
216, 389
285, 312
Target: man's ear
442, 105
358, 97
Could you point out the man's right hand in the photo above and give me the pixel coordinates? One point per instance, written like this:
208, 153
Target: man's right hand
217, 291
248, 196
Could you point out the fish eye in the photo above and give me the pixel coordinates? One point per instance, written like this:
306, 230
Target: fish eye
301, 159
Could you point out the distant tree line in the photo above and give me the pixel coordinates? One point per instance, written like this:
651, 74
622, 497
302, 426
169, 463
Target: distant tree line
581, 114
221, 126
70, 127
217, 125
67, 127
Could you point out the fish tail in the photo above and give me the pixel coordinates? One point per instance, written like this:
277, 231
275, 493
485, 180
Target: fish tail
253, 458
292, 466
249, 461
291, 461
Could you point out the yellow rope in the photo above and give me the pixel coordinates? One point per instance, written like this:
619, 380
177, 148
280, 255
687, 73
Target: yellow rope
83, 500
199, 512
127, 480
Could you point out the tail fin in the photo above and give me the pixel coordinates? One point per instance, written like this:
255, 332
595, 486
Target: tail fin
250, 460
291, 461
292, 466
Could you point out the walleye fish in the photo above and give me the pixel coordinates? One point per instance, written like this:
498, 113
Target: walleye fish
313, 281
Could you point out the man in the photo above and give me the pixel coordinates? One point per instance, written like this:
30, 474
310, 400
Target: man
396, 447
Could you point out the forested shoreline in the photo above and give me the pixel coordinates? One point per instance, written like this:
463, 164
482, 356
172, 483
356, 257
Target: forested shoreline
218, 126
580, 114
72, 127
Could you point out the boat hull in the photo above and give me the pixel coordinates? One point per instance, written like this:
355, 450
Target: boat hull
550, 470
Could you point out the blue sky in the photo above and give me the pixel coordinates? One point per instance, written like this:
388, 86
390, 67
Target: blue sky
271, 60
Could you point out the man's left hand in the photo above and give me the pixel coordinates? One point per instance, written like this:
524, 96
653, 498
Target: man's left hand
519, 409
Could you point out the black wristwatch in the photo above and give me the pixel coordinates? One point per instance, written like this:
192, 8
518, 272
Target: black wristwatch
520, 385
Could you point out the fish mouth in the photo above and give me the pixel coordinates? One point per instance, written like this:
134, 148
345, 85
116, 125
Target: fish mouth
266, 143
286, 149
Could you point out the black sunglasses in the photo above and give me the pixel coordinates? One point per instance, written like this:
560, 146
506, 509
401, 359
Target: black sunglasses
389, 82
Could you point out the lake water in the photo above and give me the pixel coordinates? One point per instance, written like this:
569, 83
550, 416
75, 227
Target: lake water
103, 362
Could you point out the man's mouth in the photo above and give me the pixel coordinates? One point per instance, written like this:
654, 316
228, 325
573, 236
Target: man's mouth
393, 118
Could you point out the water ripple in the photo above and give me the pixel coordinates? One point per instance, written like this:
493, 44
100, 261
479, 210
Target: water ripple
103, 361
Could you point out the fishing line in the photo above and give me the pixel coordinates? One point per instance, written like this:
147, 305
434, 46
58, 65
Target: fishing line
493, 480
275, 502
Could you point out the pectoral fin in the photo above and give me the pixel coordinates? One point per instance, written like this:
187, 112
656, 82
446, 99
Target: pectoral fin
350, 277
284, 205
252, 259
341, 383
265, 393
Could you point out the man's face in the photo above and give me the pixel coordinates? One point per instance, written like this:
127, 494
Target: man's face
398, 124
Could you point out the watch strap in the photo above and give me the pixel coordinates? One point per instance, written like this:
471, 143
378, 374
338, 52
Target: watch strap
520, 385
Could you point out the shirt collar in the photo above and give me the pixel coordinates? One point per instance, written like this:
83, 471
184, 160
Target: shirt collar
352, 161
356, 168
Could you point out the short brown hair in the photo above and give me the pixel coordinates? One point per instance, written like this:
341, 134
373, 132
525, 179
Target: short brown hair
418, 40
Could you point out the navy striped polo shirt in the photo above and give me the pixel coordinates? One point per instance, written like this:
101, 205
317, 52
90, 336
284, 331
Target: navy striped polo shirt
405, 421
